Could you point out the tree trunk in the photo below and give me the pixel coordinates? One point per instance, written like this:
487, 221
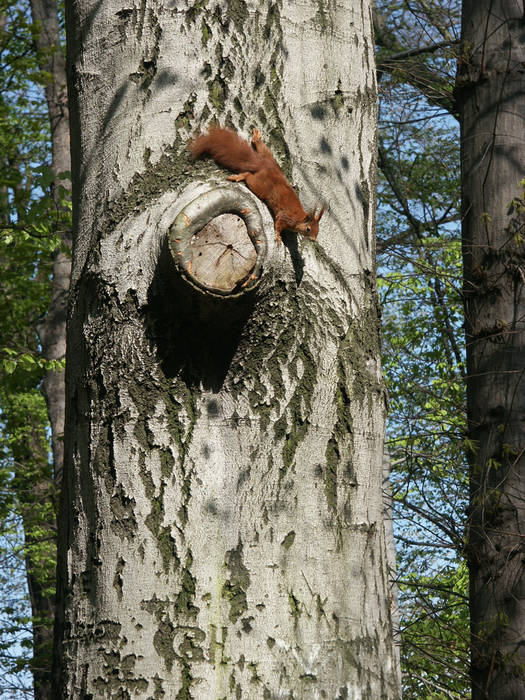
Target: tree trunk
222, 522
491, 101
52, 335
52, 331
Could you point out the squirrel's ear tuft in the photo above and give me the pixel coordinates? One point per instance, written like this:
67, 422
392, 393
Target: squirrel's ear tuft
318, 217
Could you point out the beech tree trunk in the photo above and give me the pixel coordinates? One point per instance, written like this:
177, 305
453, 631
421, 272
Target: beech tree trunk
491, 101
222, 518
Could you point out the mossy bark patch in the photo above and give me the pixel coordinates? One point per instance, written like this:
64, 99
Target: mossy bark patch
237, 583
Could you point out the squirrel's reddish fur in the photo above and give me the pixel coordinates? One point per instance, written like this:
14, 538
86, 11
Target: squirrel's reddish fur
259, 170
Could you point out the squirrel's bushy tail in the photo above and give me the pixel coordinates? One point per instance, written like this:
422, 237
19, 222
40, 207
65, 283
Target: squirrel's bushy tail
227, 149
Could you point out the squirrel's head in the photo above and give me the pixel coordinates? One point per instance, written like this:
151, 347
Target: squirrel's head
310, 226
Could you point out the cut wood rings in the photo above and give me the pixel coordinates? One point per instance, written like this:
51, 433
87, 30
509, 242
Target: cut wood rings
218, 241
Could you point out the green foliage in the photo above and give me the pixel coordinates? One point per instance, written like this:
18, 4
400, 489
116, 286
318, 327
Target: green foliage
433, 651
425, 439
30, 223
15, 620
420, 281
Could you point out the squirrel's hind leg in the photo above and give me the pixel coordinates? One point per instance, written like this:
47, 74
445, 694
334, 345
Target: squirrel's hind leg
238, 178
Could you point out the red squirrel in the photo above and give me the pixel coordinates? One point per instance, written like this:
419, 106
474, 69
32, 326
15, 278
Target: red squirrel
259, 170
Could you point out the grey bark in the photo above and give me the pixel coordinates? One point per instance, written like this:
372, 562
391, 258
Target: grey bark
491, 101
222, 519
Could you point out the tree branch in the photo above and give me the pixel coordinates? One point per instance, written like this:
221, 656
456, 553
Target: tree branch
409, 53
436, 88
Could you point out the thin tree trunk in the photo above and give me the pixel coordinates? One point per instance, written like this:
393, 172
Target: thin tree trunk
222, 518
52, 331
491, 101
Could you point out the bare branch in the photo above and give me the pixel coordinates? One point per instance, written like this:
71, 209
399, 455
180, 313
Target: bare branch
434, 86
409, 53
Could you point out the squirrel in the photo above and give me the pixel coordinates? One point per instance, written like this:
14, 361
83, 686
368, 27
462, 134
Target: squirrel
257, 167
